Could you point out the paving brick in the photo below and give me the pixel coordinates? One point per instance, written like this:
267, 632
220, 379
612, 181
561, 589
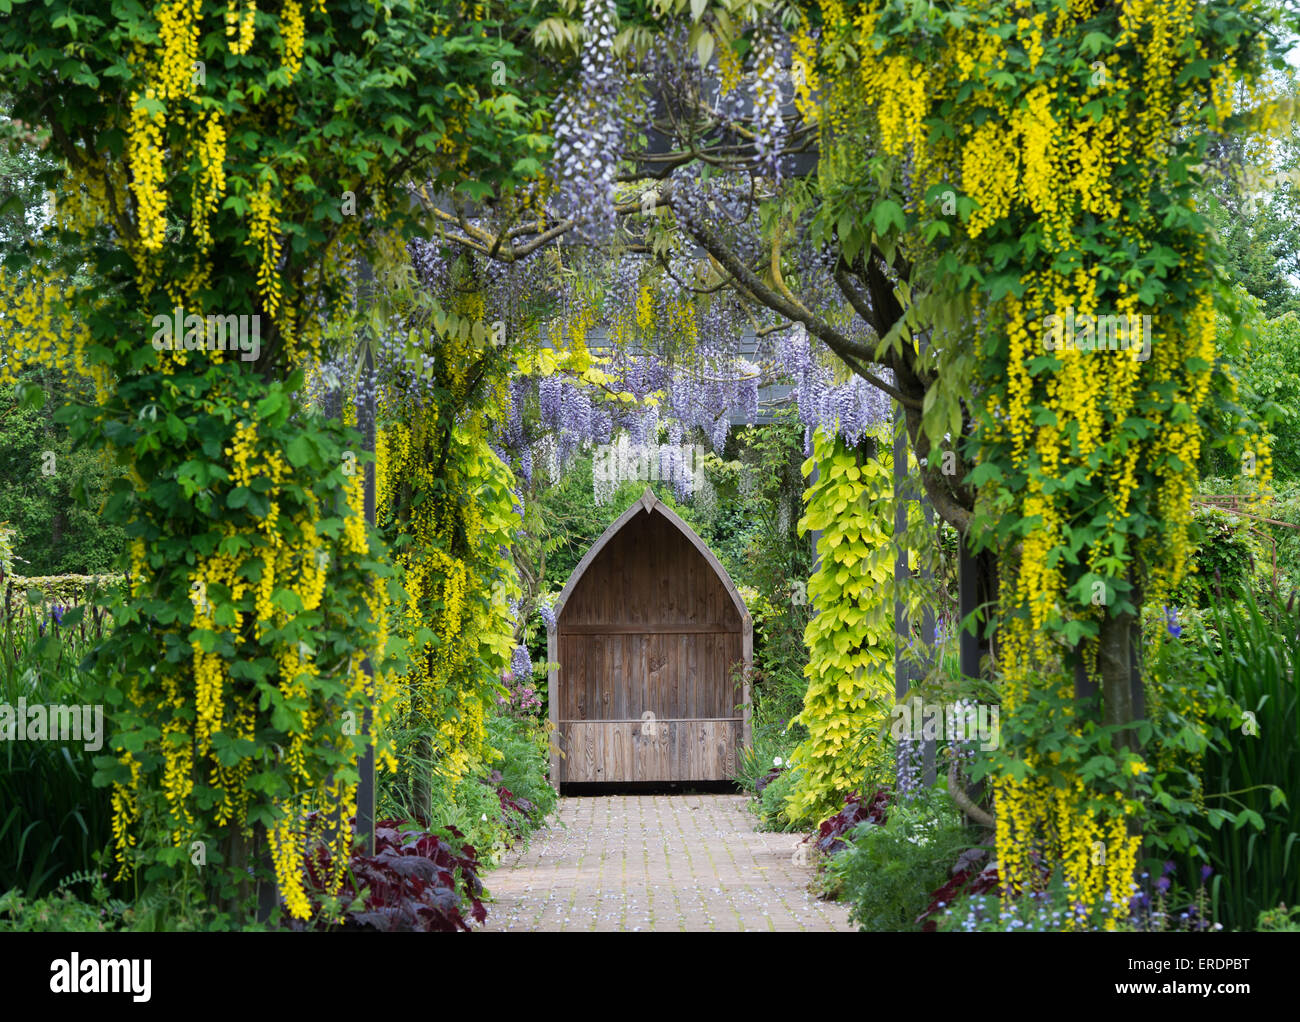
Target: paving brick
657, 862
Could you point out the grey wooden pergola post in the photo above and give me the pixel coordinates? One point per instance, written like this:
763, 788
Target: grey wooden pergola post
365, 412
366, 782
908, 669
967, 602
333, 407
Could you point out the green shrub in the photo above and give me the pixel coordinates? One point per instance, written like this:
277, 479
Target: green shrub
1228, 560
1185, 712
888, 871
476, 806
770, 807
60, 912
1286, 509
1279, 920
66, 590
54, 530
166, 907
776, 699
525, 752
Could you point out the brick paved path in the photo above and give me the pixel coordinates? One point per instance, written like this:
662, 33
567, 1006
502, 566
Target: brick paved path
657, 862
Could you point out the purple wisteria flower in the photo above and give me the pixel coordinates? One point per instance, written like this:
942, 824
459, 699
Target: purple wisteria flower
520, 663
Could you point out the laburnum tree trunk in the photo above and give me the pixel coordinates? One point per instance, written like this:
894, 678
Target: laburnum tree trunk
1114, 658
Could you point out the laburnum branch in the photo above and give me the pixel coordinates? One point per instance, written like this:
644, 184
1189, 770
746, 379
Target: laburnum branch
948, 504
736, 156
964, 802
502, 245
882, 310
667, 268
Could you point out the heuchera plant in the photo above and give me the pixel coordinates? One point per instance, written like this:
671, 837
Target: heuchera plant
968, 877
414, 881
515, 809
830, 836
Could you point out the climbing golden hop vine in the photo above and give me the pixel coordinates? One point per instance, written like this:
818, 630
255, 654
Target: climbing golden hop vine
850, 638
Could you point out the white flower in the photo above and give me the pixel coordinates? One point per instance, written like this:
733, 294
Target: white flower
484, 817
776, 760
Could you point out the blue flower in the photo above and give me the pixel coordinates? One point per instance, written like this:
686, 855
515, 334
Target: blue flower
1206, 871
1171, 622
57, 612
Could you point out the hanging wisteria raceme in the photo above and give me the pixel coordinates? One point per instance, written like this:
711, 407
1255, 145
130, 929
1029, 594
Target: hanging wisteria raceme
525, 464
718, 434
575, 415
625, 461
588, 129
602, 426
514, 427
431, 265
621, 298
849, 409
521, 665
769, 126
645, 430
549, 396
546, 610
